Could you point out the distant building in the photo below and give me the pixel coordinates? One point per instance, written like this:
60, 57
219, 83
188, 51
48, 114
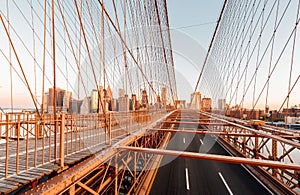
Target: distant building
114, 105
164, 96
45, 104
145, 102
221, 104
108, 97
94, 101
85, 107
75, 106
121, 93
102, 100
123, 104
195, 101
293, 112
246, 114
292, 120
180, 104
206, 104
67, 101
275, 115
133, 102
63, 99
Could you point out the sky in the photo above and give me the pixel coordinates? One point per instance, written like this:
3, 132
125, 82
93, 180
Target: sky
182, 15
191, 22
194, 12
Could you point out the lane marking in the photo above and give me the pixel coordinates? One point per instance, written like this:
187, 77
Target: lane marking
187, 179
225, 183
249, 171
184, 140
201, 141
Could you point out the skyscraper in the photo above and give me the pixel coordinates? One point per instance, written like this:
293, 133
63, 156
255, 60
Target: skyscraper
221, 104
206, 104
63, 99
164, 96
196, 101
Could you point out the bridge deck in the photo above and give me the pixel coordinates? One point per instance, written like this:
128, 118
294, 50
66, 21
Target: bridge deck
34, 164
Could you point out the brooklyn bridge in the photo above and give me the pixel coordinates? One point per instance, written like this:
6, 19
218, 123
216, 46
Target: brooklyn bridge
92, 99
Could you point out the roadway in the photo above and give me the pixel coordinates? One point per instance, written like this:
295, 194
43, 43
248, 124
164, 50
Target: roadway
192, 176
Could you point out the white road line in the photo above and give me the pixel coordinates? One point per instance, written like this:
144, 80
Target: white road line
249, 172
184, 140
201, 141
225, 183
187, 179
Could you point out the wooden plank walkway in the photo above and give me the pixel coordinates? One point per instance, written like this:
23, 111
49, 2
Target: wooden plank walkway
78, 146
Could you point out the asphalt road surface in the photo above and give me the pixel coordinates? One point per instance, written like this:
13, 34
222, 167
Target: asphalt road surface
192, 176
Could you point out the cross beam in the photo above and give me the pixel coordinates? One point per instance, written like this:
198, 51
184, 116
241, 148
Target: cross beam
197, 123
214, 157
206, 132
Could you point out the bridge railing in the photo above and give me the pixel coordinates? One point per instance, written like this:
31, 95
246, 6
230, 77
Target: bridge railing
28, 141
265, 143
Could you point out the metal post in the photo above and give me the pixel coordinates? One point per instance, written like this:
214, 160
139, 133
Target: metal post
256, 147
62, 133
0, 126
18, 145
244, 143
116, 179
36, 130
135, 165
130, 124
27, 141
109, 128
274, 156
72, 190
6, 159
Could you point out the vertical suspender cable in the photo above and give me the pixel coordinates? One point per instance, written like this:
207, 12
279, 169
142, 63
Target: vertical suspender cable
210, 46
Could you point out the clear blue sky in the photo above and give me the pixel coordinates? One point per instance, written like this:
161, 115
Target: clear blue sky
181, 14
193, 12
192, 25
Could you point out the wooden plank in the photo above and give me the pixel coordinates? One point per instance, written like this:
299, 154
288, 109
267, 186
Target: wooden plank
7, 182
9, 186
50, 166
24, 178
41, 171
31, 175
5, 190
18, 180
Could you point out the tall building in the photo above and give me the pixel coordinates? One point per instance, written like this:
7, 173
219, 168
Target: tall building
121, 93
195, 101
108, 98
164, 96
145, 102
85, 106
134, 102
221, 104
123, 103
63, 99
206, 104
101, 100
67, 101
45, 103
180, 104
75, 106
94, 101
114, 105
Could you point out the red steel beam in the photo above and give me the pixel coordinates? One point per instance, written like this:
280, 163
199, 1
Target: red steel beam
214, 157
196, 123
206, 132
261, 132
